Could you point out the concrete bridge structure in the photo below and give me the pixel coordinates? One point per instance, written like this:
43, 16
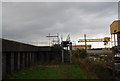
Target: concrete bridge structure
17, 56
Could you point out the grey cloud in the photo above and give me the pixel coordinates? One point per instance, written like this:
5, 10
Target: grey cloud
26, 21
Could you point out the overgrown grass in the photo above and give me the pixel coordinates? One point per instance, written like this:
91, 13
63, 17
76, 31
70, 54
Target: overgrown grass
101, 67
61, 71
95, 68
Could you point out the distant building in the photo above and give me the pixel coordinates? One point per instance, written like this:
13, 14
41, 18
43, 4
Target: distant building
80, 47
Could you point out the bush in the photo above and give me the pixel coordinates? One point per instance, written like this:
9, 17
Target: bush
96, 68
56, 48
79, 53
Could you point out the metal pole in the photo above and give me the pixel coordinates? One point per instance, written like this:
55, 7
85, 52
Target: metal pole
85, 43
62, 50
70, 52
49, 39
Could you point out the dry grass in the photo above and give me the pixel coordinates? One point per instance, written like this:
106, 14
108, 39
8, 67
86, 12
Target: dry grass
95, 68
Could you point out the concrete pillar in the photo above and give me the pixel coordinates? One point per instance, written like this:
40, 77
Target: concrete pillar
22, 60
23, 65
118, 40
35, 58
15, 62
44, 54
8, 63
26, 59
4, 65
29, 59
38, 57
11, 63
114, 40
32, 58
47, 57
42, 57
18, 61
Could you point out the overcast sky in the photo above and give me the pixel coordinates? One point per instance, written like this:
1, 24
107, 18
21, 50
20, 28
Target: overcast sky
31, 22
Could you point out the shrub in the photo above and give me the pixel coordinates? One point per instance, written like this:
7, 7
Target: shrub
56, 48
97, 68
79, 53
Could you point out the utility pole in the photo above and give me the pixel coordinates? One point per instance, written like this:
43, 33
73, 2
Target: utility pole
62, 50
70, 46
85, 43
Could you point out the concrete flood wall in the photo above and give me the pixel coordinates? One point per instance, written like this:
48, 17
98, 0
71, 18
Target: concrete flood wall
17, 56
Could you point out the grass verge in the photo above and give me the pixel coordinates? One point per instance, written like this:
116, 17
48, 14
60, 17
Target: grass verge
61, 71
